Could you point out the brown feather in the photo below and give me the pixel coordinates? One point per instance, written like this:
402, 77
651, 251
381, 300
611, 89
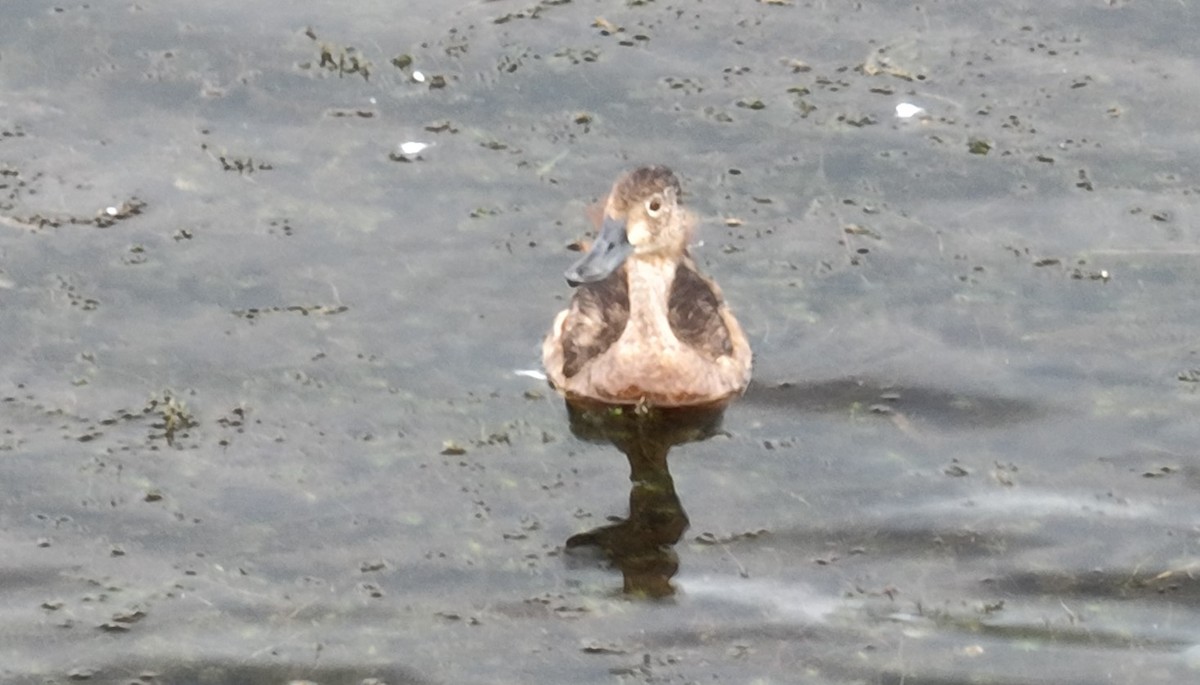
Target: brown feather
598, 314
694, 312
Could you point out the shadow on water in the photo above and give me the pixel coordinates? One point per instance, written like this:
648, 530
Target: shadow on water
642, 544
942, 408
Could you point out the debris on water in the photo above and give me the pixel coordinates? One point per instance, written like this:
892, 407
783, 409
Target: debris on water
977, 146
907, 110
451, 448
409, 151
112, 214
530, 373
412, 147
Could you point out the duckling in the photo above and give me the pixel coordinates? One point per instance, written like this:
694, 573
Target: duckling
644, 326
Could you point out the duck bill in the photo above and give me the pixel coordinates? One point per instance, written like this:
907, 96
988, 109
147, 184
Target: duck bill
608, 253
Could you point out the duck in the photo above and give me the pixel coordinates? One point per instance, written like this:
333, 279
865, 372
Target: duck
644, 326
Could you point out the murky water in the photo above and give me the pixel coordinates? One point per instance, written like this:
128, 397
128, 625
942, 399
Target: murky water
261, 417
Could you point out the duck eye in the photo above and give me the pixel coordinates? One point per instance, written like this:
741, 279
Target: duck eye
653, 205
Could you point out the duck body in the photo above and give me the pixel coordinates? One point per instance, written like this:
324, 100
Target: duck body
644, 326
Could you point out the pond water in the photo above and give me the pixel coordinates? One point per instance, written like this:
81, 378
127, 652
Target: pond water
265, 408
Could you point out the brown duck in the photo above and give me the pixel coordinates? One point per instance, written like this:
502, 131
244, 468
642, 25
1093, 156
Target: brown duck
644, 326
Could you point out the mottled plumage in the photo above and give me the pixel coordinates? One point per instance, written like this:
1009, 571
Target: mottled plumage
598, 314
644, 326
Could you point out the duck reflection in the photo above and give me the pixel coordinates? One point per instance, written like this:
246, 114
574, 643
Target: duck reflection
642, 545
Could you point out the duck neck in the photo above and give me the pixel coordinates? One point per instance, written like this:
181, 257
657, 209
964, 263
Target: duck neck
650, 278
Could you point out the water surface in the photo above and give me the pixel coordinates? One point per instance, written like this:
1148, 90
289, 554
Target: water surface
261, 413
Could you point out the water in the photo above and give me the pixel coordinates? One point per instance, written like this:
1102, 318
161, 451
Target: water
269, 427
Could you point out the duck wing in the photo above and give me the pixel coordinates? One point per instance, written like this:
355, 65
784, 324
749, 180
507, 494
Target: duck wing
694, 312
595, 320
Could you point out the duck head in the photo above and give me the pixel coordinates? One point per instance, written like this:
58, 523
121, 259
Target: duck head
642, 218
